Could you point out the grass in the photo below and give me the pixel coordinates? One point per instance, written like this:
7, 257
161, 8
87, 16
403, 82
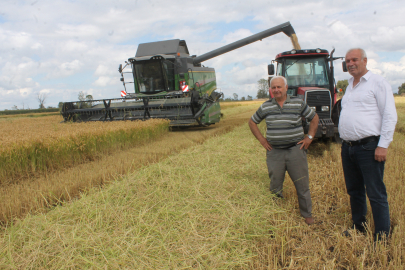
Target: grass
212, 212
208, 207
44, 191
205, 213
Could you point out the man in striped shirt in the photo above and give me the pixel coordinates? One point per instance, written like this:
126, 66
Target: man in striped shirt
286, 143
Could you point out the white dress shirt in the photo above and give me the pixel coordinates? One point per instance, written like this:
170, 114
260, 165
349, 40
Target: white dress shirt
368, 109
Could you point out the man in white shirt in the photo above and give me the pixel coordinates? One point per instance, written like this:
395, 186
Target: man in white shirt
366, 126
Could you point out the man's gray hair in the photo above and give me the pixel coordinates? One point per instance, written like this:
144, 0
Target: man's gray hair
363, 52
278, 77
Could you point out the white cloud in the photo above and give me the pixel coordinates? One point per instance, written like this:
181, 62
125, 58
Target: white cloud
83, 31
25, 91
75, 46
105, 80
65, 69
389, 38
36, 46
42, 48
103, 70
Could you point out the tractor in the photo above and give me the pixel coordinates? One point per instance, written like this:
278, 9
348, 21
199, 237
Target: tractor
310, 76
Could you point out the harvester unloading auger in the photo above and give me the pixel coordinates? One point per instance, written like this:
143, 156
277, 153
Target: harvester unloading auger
168, 83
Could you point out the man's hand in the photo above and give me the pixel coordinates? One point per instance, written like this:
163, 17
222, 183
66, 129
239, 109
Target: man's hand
265, 144
313, 126
305, 143
256, 132
380, 154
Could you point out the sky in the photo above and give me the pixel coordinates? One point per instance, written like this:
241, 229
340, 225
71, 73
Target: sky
59, 48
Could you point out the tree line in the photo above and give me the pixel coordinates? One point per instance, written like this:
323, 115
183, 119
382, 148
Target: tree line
342, 84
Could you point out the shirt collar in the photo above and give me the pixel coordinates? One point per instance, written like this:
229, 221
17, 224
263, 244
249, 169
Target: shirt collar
274, 101
365, 76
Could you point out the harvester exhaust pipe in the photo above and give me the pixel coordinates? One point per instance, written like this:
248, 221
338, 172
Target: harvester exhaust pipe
286, 28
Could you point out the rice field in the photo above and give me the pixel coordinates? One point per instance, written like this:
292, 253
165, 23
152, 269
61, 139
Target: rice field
41, 191
39, 146
400, 105
208, 207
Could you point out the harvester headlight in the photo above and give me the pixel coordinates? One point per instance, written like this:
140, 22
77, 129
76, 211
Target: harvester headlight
325, 108
293, 51
313, 108
318, 50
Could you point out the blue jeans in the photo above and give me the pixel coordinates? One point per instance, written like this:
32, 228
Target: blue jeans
363, 174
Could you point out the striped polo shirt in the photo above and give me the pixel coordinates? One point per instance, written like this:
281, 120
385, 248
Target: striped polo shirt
284, 125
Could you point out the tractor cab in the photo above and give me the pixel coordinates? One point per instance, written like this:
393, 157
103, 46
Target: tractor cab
309, 75
303, 69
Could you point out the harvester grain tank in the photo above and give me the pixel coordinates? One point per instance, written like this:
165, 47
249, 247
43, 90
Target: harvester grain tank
310, 76
168, 83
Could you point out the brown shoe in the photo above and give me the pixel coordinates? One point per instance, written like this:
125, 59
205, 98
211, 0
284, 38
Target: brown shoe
309, 220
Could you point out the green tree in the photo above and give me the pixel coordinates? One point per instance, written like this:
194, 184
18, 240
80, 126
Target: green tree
249, 98
243, 98
401, 89
83, 96
235, 96
342, 84
263, 88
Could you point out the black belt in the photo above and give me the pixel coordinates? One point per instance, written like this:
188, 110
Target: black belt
362, 141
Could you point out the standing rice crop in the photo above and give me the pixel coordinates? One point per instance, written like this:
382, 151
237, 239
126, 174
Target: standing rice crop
36, 146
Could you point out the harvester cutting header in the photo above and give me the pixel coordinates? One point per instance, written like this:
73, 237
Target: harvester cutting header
167, 83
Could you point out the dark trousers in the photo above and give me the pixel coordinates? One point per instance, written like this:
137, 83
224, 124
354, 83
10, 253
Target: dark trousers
364, 175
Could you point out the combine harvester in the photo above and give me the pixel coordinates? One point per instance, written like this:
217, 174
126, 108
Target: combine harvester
168, 83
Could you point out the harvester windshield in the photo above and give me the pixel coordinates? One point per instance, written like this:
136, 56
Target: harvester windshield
154, 76
301, 72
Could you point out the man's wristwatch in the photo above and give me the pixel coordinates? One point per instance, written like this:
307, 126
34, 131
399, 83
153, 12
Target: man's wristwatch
310, 137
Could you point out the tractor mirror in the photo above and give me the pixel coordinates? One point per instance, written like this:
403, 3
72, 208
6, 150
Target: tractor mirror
344, 66
120, 68
270, 69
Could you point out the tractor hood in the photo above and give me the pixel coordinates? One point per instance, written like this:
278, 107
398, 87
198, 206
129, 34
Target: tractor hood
302, 90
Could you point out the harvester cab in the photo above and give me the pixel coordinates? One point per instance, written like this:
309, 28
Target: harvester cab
310, 76
168, 83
